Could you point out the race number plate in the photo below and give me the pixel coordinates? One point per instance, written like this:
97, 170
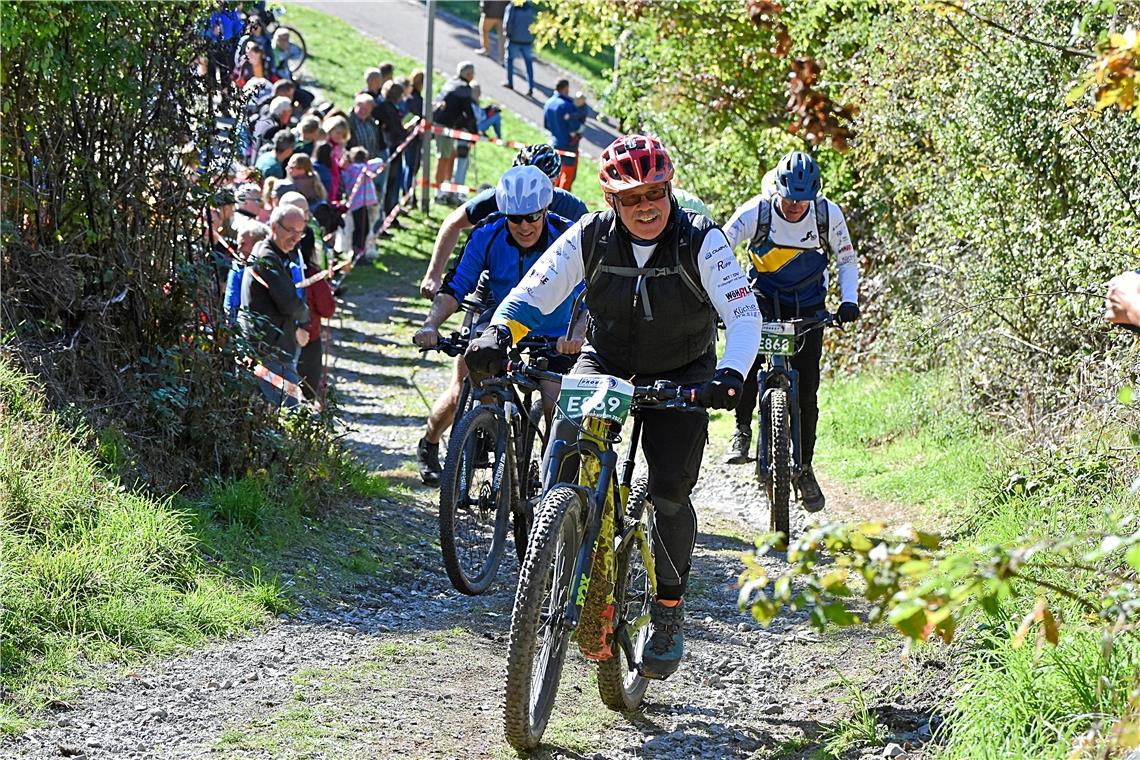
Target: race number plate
599, 396
778, 338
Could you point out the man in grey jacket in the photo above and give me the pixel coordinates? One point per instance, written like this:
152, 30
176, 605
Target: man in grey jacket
520, 41
273, 316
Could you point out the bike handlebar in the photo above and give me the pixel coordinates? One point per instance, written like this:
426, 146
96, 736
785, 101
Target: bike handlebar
662, 394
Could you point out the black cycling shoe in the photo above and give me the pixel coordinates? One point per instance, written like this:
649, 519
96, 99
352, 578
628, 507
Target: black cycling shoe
739, 447
810, 492
428, 456
666, 642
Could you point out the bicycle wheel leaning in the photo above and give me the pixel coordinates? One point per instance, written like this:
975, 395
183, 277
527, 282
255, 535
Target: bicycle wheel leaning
474, 500
780, 481
536, 433
296, 62
620, 684
538, 640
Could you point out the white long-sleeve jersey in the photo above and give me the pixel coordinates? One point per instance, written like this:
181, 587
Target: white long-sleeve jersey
561, 268
778, 263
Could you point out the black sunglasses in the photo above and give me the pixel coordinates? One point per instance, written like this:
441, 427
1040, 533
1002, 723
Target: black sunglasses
520, 218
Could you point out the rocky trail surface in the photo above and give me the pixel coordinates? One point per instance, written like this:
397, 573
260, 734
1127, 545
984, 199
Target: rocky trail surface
406, 667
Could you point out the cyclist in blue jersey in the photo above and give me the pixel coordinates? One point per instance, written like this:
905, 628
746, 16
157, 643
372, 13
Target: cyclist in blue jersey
504, 246
564, 204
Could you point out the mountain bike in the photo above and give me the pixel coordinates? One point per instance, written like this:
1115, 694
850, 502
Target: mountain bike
492, 473
298, 51
778, 452
588, 572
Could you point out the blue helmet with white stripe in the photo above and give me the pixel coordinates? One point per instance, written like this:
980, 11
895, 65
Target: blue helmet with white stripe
523, 190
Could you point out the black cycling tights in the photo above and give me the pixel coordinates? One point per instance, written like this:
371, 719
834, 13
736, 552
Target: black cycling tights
806, 363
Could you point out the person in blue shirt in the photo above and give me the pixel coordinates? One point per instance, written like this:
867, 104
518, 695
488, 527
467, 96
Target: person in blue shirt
504, 246
249, 235
520, 41
563, 117
484, 204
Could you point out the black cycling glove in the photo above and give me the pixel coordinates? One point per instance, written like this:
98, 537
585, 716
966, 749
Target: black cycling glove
848, 312
723, 391
488, 352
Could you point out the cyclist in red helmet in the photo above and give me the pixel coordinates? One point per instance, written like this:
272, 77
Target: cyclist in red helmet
657, 278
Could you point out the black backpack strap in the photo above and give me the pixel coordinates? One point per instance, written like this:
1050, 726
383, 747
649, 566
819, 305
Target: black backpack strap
763, 222
590, 258
822, 223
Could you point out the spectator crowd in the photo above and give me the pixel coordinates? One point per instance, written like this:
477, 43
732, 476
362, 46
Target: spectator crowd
314, 187
306, 196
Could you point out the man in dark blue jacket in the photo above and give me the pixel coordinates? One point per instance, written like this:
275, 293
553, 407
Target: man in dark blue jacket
520, 41
563, 117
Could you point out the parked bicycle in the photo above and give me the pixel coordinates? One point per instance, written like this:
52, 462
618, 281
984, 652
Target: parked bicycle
492, 474
778, 462
588, 571
297, 52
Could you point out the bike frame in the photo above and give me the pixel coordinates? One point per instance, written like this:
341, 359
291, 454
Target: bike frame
597, 492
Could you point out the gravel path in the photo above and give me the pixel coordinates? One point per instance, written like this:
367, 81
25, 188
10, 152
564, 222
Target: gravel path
412, 669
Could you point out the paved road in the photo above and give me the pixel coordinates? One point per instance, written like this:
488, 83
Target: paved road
402, 26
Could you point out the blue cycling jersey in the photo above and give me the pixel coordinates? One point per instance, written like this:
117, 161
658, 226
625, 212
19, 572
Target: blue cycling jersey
491, 249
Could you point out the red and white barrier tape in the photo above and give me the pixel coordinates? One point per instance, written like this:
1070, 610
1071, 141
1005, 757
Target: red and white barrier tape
288, 387
459, 134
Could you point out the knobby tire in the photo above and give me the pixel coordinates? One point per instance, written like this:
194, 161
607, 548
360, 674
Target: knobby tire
472, 569
538, 641
535, 435
781, 479
620, 685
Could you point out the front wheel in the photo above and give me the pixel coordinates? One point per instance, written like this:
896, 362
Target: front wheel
780, 479
620, 684
474, 500
538, 635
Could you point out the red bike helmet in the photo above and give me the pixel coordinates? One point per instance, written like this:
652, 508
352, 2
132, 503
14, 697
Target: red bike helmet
632, 161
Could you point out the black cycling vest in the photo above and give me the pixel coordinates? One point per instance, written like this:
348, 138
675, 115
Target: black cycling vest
678, 325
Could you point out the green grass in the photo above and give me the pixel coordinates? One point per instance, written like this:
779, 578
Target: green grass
1018, 702
903, 438
861, 728
95, 572
339, 56
91, 570
594, 70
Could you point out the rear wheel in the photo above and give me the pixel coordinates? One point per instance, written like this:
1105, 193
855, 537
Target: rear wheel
620, 685
780, 481
539, 638
535, 435
474, 500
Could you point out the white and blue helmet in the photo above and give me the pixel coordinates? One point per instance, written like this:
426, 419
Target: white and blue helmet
523, 190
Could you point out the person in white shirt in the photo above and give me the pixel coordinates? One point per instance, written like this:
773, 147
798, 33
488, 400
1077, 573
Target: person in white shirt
792, 232
657, 278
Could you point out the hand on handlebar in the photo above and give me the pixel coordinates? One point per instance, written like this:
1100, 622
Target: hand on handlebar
488, 352
426, 337
723, 391
848, 312
570, 345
